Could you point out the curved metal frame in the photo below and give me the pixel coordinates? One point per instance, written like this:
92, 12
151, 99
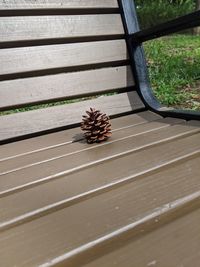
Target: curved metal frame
135, 38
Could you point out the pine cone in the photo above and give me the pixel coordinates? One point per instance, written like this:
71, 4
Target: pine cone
96, 125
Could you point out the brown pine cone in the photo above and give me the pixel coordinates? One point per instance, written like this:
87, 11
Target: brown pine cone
96, 125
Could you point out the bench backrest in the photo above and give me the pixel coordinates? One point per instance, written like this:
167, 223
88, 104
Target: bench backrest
57, 50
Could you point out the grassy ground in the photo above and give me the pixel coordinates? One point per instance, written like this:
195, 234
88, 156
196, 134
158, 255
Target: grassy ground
174, 68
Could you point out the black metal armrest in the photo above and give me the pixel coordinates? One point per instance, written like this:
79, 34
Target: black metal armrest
135, 37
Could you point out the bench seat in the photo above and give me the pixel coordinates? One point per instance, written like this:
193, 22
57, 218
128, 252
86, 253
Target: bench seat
118, 203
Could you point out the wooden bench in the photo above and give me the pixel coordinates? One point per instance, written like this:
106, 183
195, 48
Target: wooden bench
130, 201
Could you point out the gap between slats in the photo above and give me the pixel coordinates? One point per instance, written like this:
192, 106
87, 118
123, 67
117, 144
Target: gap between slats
56, 11
59, 41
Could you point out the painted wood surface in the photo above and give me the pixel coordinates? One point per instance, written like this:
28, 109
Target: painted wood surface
119, 213
32, 59
29, 28
19, 92
57, 4
26, 123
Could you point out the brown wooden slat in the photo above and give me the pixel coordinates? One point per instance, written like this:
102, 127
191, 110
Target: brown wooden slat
77, 162
15, 211
57, 4
68, 148
72, 228
53, 140
93, 183
168, 244
29, 59
18, 92
40, 120
51, 27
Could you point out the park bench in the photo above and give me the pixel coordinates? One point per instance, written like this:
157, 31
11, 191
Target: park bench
132, 200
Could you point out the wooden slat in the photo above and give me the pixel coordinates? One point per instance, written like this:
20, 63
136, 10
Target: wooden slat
29, 59
66, 232
45, 119
58, 139
57, 4
18, 92
174, 242
51, 27
20, 212
68, 148
73, 180
82, 160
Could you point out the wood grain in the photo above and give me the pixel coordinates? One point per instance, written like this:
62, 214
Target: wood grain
45, 119
77, 159
176, 234
18, 92
53, 140
63, 197
52, 27
29, 59
118, 208
57, 4
21, 162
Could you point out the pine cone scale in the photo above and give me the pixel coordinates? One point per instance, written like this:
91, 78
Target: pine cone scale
96, 125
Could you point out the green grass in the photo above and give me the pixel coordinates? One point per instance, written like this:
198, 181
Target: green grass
174, 68
39, 106
153, 12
